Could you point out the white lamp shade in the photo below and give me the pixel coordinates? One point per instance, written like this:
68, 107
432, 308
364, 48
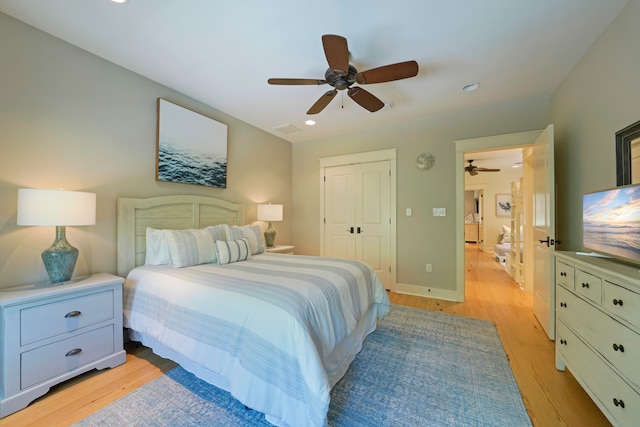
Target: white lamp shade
269, 212
56, 207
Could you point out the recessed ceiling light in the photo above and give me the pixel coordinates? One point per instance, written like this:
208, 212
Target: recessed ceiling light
119, 1
471, 87
310, 122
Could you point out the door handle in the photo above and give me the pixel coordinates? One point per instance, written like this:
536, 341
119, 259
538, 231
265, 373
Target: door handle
360, 231
549, 242
350, 230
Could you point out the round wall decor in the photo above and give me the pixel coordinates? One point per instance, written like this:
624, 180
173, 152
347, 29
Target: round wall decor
425, 161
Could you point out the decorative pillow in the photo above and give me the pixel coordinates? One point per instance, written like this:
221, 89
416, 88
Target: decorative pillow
190, 247
506, 234
157, 252
229, 251
253, 235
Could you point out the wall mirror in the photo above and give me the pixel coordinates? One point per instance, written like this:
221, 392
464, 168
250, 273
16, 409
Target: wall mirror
628, 155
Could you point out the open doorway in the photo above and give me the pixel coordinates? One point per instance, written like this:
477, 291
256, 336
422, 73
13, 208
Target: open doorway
489, 153
497, 175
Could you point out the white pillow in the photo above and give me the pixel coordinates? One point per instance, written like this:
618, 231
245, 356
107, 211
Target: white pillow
253, 235
229, 251
232, 233
190, 247
506, 234
157, 252
217, 232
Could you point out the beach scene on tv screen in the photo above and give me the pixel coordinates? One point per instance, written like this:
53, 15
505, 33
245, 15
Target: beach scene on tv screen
611, 222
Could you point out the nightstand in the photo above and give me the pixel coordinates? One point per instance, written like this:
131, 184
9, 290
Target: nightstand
281, 249
52, 332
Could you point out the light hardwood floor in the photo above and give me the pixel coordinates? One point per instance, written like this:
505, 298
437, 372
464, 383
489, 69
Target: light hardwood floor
552, 398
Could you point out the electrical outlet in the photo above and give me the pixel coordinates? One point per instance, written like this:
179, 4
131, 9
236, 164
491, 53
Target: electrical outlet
408, 211
429, 268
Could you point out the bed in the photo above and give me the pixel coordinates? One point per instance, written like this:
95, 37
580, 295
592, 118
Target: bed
276, 331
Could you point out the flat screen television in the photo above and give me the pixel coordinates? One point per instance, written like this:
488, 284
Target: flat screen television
611, 222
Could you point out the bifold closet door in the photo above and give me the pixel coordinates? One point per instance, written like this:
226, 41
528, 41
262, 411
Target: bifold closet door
357, 214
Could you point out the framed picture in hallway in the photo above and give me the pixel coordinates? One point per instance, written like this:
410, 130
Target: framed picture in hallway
503, 204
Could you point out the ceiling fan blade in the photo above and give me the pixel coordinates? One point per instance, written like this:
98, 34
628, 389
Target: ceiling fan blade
487, 170
322, 102
337, 53
388, 73
296, 82
366, 100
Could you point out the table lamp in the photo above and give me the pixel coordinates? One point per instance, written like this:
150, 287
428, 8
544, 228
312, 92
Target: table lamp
269, 212
57, 208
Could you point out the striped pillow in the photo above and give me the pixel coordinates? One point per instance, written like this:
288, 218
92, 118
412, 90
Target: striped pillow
228, 251
190, 247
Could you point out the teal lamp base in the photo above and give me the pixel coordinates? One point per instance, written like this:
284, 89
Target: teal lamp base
60, 258
270, 236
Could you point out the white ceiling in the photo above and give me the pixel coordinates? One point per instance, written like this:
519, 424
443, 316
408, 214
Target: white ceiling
221, 53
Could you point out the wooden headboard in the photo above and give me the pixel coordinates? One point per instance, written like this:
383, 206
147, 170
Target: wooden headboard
166, 212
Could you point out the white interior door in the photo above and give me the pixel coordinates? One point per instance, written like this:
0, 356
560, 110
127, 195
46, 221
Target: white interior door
544, 231
357, 215
339, 212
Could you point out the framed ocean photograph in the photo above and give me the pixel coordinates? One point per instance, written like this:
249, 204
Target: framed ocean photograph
503, 204
191, 148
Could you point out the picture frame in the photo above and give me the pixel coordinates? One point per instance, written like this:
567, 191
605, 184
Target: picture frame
190, 147
503, 204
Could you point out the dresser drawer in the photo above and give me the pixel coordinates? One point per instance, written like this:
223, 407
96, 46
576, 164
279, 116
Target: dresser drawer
589, 286
51, 319
622, 302
613, 340
603, 384
565, 275
63, 356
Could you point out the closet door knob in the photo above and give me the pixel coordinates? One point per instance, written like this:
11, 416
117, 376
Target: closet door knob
619, 403
585, 285
617, 302
563, 342
617, 347
563, 304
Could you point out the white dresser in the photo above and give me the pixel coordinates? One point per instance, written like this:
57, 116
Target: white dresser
598, 331
50, 333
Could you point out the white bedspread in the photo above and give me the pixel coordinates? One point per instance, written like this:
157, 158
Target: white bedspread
277, 331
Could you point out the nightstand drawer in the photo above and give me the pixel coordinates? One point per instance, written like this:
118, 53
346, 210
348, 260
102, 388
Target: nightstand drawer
63, 356
48, 320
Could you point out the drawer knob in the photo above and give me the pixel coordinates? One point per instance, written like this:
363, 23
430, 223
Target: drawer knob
563, 274
563, 342
617, 302
74, 313
73, 352
619, 403
563, 304
585, 285
619, 348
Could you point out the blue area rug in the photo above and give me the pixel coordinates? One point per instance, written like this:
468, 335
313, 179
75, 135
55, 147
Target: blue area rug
419, 368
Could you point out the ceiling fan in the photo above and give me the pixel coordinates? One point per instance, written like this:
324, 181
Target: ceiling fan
473, 169
341, 75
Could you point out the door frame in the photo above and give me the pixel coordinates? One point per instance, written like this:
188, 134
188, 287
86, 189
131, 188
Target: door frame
512, 140
367, 157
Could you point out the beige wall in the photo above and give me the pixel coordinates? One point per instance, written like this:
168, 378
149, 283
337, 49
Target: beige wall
599, 97
69, 119
421, 238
